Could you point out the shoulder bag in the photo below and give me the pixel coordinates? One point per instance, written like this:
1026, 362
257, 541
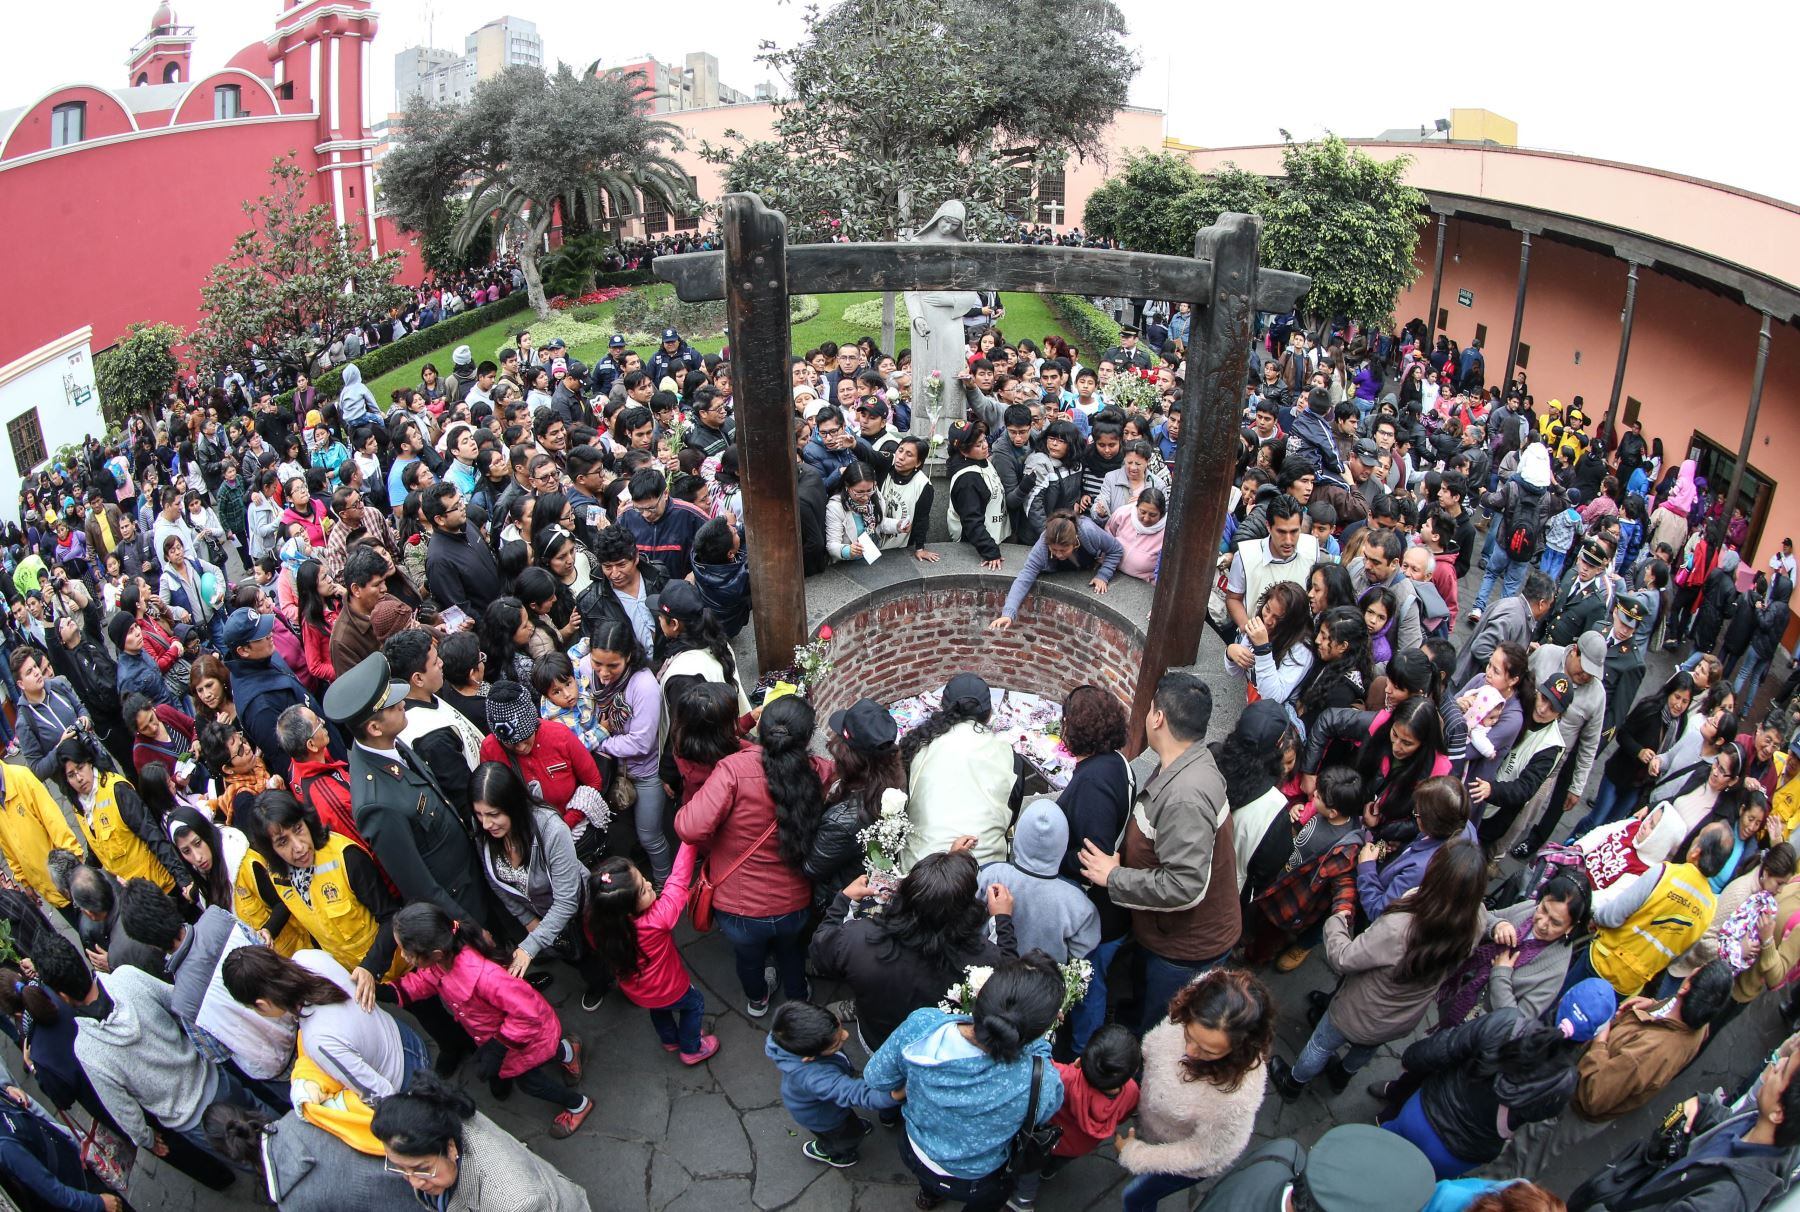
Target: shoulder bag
1030, 1147
700, 903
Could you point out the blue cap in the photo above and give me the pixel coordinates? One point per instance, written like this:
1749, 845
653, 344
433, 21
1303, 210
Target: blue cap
669, 334
1585, 1008
617, 342
246, 626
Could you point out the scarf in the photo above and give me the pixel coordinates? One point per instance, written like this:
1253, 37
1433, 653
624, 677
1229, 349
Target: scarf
868, 511
611, 708
1458, 996
1137, 523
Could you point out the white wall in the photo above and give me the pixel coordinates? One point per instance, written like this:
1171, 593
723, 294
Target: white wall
58, 381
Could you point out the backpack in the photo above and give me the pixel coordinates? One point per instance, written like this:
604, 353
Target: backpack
1524, 536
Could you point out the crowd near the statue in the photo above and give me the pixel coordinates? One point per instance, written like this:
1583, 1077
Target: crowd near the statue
339, 726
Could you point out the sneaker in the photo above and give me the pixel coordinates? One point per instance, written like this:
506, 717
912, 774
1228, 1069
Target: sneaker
812, 1150
1019, 1203
591, 999
845, 1011
925, 1200
572, 1067
757, 1009
709, 1044
1474, 617
1522, 852
539, 980
671, 1047
1292, 958
567, 1122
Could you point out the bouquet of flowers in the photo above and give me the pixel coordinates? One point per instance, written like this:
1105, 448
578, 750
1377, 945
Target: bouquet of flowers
812, 660
960, 997
934, 391
882, 842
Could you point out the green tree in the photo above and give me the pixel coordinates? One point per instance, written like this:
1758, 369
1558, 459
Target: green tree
1159, 201
134, 374
525, 144
443, 255
294, 274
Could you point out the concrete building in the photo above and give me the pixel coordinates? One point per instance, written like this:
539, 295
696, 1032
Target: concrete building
693, 84
446, 76
47, 401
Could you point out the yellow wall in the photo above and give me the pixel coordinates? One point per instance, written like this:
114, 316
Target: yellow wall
1483, 126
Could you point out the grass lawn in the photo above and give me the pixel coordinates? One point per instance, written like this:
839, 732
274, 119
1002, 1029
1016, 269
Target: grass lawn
1026, 316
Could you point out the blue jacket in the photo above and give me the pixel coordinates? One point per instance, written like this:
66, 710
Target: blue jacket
829, 464
668, 541
1313, 433
1377, 889
962, 1107
43, 1161
725, 588
821, 1093
139, 672
263, 690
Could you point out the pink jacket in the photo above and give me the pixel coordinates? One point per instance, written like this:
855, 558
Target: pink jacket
491, 1003
662, 979
1143, 552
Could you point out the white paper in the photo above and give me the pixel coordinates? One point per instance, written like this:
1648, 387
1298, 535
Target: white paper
871, 549
453, 618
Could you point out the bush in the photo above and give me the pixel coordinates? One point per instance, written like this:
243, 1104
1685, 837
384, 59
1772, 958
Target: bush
867, 315
1094, 331
627, 277
381, 360
802, 308
588, 315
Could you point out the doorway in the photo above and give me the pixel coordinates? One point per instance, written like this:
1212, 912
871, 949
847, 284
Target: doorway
1714, 464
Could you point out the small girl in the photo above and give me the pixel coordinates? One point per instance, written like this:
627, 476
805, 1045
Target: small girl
517, 1033
1485, 707
566, 695
1378, 606
634, 930
1560, 533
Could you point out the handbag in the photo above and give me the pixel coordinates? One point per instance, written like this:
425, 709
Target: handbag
1030, 1147
700, 903
105, 1154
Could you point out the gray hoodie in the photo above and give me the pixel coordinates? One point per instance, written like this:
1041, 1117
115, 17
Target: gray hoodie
1050, 913
140, 1059
356, 402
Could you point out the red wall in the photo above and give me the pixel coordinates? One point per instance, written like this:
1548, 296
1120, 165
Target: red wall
105, 116
1692, 351
81, 250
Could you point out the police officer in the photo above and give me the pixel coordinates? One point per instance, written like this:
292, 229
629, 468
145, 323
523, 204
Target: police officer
400, 808
673, 352
609, 368
1128, 354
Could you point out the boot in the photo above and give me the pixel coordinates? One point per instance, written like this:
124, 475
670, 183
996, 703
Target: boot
1337, 1075
1281, 1076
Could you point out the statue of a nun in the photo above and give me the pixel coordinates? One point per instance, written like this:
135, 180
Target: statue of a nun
937, 325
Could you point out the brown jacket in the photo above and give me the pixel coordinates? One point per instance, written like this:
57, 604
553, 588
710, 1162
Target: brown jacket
1773, 963
1373, 1006
1632, 1062
1179, 874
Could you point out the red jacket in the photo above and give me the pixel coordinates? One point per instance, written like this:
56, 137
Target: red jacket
558, 763
159, 643
315, 645
491, 1003
725, 818
662, 978
325, 788
1088, 1117
181, 740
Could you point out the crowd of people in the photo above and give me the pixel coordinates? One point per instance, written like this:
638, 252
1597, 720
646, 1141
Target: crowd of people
338, 727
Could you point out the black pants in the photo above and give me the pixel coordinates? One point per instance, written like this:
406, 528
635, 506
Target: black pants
985, 1194
844, 1142
545, 1081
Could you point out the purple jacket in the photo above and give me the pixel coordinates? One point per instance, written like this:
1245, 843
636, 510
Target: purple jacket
1377, 889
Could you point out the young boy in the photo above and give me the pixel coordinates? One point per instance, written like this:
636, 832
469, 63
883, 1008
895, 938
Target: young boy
566, 694
1099, 1093
1321, 523
1050, 913
819, 1087
1560, 535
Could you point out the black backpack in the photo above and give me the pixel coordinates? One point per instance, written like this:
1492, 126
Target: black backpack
1524, 535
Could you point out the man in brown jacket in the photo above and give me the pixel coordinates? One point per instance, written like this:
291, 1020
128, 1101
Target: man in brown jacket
1176, 870
1631, 1061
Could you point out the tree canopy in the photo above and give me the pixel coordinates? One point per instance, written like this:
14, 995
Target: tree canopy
134, 374
953, 106
292, 282
525, 143
1338, 215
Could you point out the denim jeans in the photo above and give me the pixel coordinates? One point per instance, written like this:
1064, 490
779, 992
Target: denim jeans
231, 1090
985, 1194
1164, 978
1749, 679
678, 1022
1610, 803
1324, 1043
1508, 573
1551, 563
1145, 1191
414, 1056
647, 817
1090, 1012
753, 938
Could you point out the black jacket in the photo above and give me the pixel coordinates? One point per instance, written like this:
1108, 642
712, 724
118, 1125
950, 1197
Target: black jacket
1462, 1096
1742, 615
461, 571
836, 858
1718, 602
1097, 801
1771, 620
598, 603
889, 983
813, 496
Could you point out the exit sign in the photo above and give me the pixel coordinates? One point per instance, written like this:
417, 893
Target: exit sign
1466, 298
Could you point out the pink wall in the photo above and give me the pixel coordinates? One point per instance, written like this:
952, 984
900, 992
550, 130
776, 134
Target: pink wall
105, 116
1692, 351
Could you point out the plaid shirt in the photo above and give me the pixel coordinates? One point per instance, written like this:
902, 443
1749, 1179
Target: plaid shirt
337, 544
1315, 890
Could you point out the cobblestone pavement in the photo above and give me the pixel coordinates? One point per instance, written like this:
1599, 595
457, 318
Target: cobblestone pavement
667, 1138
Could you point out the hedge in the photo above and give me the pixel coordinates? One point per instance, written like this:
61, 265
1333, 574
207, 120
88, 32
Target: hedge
626, 277
380, 360
1093, 329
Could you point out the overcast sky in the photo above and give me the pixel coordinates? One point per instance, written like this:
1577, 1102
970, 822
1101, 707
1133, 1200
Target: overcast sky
1598, 79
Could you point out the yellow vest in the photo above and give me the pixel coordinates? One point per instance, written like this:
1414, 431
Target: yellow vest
1670, 921
342, 925
1786, 805
119, 850
247, 902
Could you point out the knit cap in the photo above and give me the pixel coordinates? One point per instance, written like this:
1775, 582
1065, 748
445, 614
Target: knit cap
512, 717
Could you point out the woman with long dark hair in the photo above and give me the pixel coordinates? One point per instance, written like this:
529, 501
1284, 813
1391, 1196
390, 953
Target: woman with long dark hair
903, 959
506, 632
693, 641
1652, 726
320, 600
756, 819
540, 592
862, 741
629, 705
1327, 588
961, 778
225, 868
1271, 652
1341, 671
1097, 800
1054, 476
1203, 1081
1391, 970
704, 730
1251, 759
978, 513
1507, 675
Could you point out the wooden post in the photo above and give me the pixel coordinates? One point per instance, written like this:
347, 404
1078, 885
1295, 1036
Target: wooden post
1749, 438
756, 308
1205, 456
1512, 350
1437, 284
1612, 405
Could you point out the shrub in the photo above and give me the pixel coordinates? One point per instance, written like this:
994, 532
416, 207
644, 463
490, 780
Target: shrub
867, 315
627, 277
1094, 331
802, 308
381, 360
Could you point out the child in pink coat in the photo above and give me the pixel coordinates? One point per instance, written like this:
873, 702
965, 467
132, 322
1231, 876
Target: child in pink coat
633, 929
518, 1035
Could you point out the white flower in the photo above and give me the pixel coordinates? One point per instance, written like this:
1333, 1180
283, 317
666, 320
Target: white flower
977, 977
893, 802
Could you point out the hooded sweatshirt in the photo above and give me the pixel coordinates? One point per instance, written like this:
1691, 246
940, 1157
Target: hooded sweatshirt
1088, 1116
140, 1060
356, 403
962, 1106
1050, 914
822, 1092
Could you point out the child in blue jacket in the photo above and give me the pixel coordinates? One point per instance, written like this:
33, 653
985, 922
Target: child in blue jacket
819, 1087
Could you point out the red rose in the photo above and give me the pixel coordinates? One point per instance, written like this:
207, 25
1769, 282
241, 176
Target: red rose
825, 632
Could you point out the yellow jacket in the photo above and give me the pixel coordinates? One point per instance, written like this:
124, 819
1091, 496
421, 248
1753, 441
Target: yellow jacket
31, 826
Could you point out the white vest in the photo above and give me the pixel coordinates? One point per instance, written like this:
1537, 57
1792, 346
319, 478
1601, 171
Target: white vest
1260, 571
898, 502
998, 525
423, 719
961, 784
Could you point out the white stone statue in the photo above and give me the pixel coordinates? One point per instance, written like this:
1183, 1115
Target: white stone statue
937, 326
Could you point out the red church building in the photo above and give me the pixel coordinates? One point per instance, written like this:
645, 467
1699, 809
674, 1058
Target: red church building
120, 199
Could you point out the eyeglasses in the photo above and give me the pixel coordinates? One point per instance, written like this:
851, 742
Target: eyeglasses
426, 1171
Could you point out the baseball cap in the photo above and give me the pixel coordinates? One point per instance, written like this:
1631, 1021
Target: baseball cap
875, 406
1592, 646
968, 686
1588, 1006
556, 343
246, 626
1558, 689
1367, 451
616, 342
866, 726
669, 334
679, 600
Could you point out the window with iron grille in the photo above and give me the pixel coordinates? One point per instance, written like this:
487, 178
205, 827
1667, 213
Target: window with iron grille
690, 222
26, 433
656, 215
1051, 195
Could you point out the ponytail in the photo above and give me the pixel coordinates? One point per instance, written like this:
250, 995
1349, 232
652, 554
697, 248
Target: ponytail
426, 931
